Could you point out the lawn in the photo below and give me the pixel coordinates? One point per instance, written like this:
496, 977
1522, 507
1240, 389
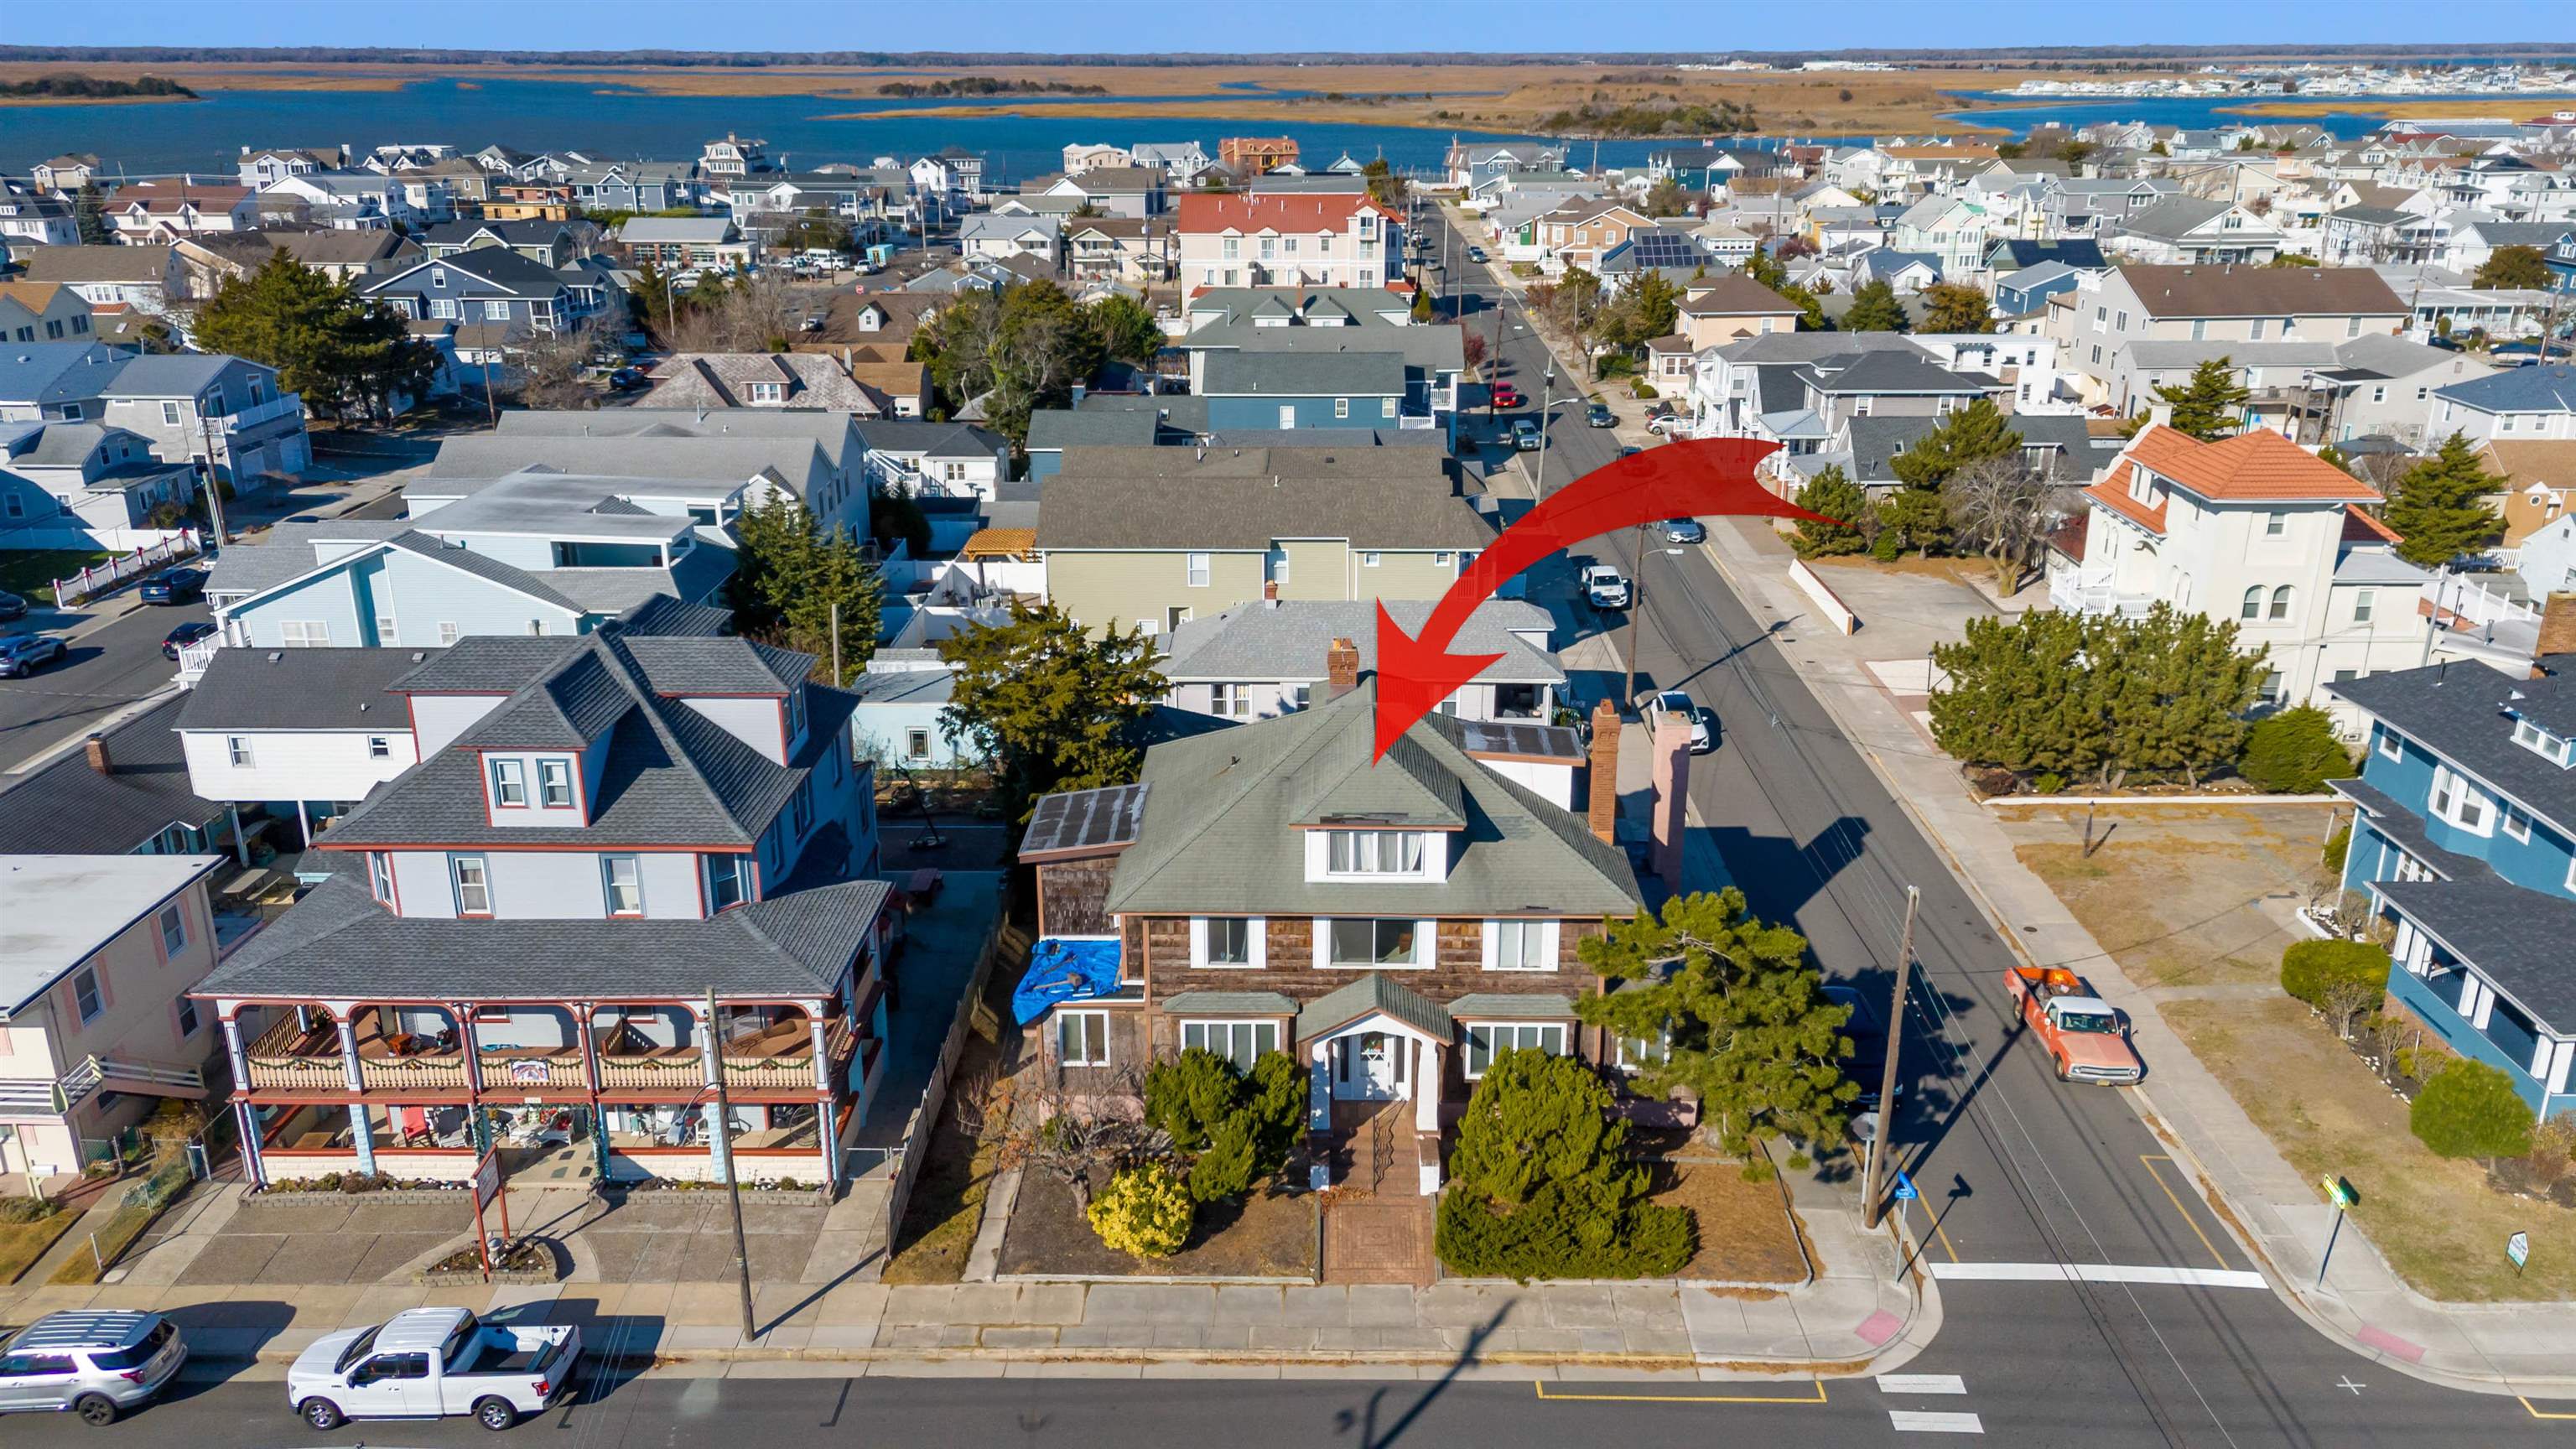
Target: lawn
947, 1203
21, 1244
31, 572
1270, 1234
2177, 894
2435, 1219
1746, 1231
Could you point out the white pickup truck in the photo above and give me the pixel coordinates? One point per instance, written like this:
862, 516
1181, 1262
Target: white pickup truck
432, 1363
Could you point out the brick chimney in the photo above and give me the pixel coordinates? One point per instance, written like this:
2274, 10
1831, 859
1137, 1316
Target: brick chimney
1341, 668
98, 759
1602, 808
2557, 626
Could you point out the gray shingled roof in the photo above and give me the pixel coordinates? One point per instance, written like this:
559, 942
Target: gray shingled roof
288, 552
1166, 498
1371, 993
1218, 833
1228, 1003
67, 808
2544, 388
484, 566
338, 941
2459, 712
1304, 374
1276, 640
2515, 938
301, 689
1513, 1006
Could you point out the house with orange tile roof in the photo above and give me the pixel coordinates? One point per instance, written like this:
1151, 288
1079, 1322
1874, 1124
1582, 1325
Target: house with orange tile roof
2257, 530
1288, 239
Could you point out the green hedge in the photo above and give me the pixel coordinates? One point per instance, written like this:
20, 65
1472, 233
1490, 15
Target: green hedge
2310, 969
2294, 752
1561, 1233
2471, 1109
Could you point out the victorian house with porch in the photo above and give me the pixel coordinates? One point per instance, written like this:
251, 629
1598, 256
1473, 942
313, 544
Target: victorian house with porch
1393, 925
623, 863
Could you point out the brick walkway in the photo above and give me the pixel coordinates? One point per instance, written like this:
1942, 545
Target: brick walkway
1382, 1233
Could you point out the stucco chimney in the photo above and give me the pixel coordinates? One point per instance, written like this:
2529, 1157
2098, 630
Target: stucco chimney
2557, 626
98, 759
1602, 806
1341, 668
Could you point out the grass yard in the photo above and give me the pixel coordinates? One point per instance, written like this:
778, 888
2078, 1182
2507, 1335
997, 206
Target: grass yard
2435, 1219
30, 572
1270, 1234
947, 1203
1746, 1232
2177, 894
21, 1244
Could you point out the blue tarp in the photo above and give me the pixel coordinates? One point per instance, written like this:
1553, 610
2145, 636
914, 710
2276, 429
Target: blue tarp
1065, 969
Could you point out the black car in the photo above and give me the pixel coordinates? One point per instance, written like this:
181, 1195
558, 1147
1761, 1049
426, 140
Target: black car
23, 654
185, 634
1867, 1064
175, 586
1598, 416
12, 606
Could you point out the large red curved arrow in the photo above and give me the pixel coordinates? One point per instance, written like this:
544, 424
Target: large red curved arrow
1694, 477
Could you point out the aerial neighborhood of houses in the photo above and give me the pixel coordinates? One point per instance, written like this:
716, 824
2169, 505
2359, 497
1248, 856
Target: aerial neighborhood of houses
674, 656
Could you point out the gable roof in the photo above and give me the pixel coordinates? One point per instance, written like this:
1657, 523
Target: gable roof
498, 267
1247, 498
2548, 387
1287, 639
1735, 295
107, 263
1273, 211
1241, 373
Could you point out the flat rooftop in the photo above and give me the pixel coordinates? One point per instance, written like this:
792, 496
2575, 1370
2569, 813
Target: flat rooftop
57, 910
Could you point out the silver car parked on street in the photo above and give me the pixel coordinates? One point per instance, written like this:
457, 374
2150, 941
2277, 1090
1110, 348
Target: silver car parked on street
95, 1364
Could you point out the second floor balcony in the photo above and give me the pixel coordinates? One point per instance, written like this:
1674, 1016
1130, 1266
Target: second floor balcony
2077, 589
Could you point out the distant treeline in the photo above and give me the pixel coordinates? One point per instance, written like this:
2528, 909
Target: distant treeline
1721, 119
985, 85
94, 88
2455, 52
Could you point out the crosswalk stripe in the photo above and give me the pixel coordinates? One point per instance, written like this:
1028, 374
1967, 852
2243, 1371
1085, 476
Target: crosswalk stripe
1915, 1421
2098, 1273
1921, 1384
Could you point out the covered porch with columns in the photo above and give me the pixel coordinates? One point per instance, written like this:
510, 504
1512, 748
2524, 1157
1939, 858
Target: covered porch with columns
1376, 1041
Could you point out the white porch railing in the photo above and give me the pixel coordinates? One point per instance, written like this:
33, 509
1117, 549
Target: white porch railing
290, 405
2076, 589
2460, 601
96, 580
193, 659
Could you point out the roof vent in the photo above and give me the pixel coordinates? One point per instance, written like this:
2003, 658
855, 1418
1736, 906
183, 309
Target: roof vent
365, 705
276, 656
417, 656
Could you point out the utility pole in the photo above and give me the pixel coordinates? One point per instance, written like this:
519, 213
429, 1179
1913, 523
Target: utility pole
836, 644
1546, 407
1636, 610
1878, 1143
713, 1045
214, 485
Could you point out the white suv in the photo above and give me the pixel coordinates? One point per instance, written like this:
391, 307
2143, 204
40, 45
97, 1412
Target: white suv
1674, 704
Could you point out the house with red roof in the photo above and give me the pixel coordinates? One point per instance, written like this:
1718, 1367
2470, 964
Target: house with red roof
2254, 529
1289, 239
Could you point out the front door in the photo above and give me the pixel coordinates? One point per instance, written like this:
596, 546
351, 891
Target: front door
1371, 1068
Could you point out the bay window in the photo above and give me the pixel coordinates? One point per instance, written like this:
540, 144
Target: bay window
1486, 1040
2455, 800
1241, 1042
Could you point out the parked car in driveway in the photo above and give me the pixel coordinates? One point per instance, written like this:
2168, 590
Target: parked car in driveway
1685, 530
175, 586
94, 1364
12, 606
1599, 416
24, 654
1508, 396
183, 636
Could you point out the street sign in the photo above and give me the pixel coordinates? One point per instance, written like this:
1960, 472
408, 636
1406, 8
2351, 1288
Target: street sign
2517, 1251
2338, 1191
1905, 1188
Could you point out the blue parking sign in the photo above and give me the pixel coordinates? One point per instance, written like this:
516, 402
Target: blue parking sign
1905, 1188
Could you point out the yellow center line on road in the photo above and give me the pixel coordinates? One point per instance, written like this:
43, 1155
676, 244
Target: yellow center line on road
2149, 1160
1817, 1398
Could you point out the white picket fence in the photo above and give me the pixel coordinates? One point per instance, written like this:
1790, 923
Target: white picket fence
96, 580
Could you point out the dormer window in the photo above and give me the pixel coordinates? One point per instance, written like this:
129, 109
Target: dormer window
726, 883
2558, 750
554, 783
795, 714
509, 784
1373, 852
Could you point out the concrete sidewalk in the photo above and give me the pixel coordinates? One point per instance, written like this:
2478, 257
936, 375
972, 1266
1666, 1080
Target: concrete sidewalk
2276, 1214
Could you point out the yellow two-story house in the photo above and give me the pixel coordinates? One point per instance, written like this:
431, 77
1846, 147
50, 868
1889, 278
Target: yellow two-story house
1155, 537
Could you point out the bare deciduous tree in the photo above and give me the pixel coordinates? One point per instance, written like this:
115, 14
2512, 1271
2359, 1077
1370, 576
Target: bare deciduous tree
2000, 506
1037, 1123
551, 367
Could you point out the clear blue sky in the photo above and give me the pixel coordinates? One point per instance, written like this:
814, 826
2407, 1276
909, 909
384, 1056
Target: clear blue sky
1226, 25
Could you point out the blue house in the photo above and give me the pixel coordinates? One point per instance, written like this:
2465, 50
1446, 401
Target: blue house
2465, 840
495, 285
1304, 390
2018, 294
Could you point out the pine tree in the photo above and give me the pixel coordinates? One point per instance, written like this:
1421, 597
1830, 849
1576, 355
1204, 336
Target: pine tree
1957, 307
787, 578
1874, 308
89, 213
2439, 506
344, 353
2515, 266
1054, 707
1752, 1035
1832, 493
2209, 405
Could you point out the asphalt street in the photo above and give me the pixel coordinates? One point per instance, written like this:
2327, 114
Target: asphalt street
2017, 1167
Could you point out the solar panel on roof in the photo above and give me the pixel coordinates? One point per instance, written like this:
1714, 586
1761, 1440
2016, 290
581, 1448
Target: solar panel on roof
1663, 249
1085, 820
1516, 737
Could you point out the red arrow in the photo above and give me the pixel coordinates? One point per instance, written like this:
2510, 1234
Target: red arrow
1696, 477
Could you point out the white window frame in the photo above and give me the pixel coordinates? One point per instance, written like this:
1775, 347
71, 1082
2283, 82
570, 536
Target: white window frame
1481, 1048
2517, 826
446, 632
916, 743
2392, 745
1425, 935
173, 921
1530, 940
554, 777
509, 779
459, 867
1386, 407
1633, 1058
1256, 943
304, 633
238, 753
608, 884
2365, 603
724, 868
89, 1004
1086, 1032
380, 875
1195, 565
1357, 854
2460, 803
1341, 407
1230, 700
1260, 1036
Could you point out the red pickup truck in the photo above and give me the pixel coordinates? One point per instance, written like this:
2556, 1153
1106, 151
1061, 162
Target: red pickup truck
2084, 1036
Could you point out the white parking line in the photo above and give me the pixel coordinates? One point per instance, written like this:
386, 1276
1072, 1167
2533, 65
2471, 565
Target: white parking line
2098, 1273
1914, 1421
1921, 1384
